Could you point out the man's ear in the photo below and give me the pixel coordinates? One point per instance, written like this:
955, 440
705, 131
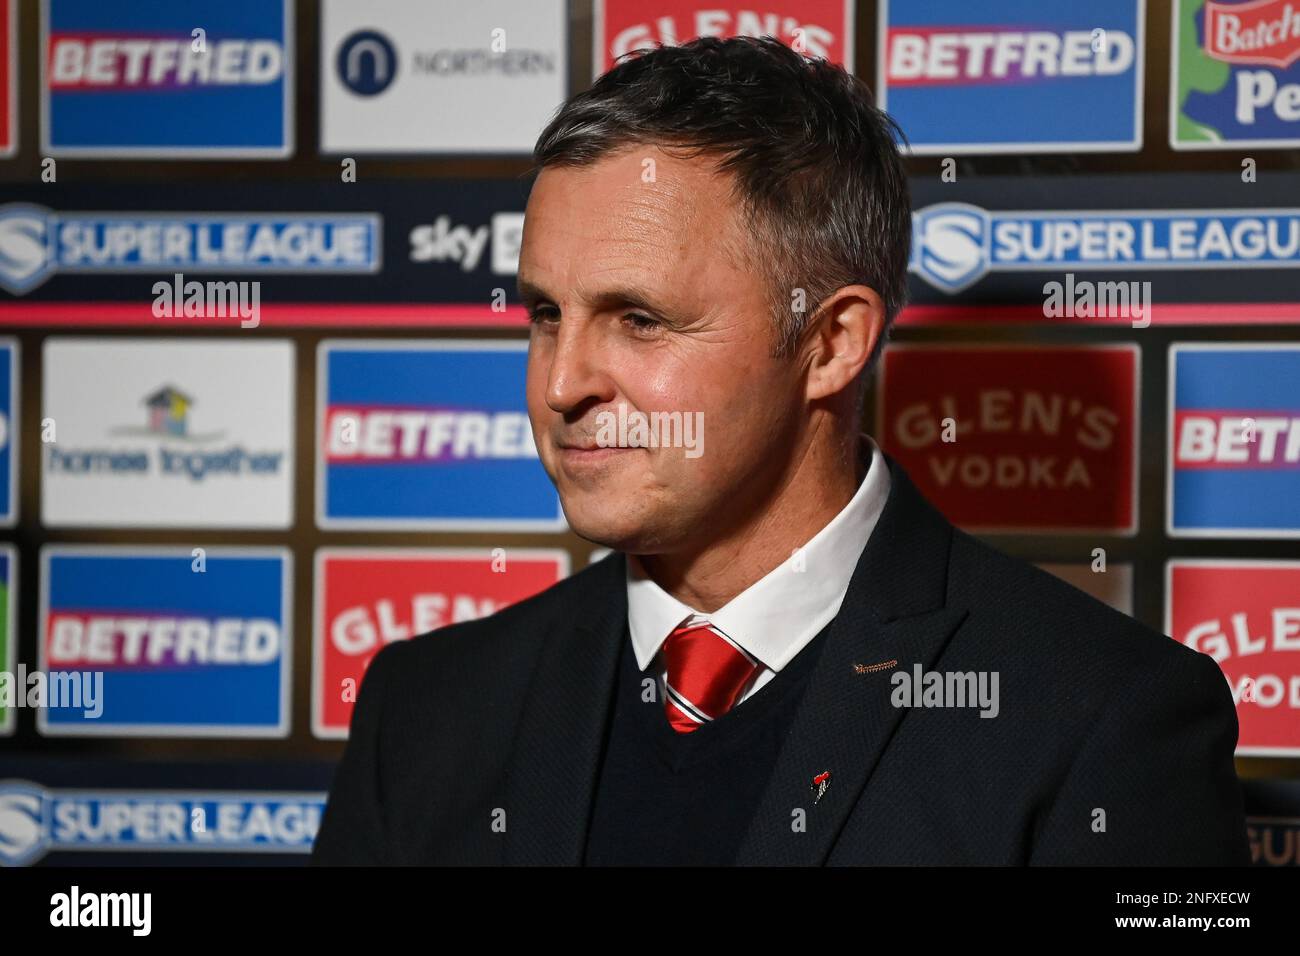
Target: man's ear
845, 329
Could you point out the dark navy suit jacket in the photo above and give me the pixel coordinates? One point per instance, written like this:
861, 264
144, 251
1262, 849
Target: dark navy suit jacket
480, 743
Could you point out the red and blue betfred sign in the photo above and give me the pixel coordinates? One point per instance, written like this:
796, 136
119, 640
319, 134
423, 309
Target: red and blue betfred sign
1041, 76
429, 435
186, 78
1234, 427
1246, 615
369, 597
188, 642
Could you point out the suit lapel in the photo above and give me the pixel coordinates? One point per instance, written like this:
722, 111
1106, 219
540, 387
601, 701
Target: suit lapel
553, 771
894, 611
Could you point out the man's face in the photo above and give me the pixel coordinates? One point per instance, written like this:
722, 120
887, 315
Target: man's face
637, 302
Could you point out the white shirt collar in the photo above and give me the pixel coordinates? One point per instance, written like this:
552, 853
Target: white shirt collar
781, 612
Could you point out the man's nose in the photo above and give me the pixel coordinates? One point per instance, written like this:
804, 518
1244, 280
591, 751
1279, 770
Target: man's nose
578, 371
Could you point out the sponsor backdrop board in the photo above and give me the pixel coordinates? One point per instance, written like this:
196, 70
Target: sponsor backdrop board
1017, 76
1233, 465
822, 28
121, 78
191, 433
1245, 615
367, 597
167, 642
1108, 315
407, 76
1019, 440
428, 435
1234, 74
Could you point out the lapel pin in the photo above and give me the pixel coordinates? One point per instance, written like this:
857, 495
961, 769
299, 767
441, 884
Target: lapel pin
820, 784
872, 668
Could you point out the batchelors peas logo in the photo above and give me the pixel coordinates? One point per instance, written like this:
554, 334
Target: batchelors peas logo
954, 245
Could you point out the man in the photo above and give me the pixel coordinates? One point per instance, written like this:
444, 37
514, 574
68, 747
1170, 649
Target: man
721, 230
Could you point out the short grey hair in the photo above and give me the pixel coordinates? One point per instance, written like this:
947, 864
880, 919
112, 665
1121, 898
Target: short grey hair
816, 166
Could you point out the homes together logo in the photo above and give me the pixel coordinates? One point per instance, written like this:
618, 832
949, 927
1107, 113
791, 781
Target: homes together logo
168, 419
209, 444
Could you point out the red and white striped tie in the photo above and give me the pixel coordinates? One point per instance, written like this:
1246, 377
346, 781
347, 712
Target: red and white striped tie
707, 672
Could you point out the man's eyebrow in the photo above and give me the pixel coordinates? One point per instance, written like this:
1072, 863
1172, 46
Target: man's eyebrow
530, 292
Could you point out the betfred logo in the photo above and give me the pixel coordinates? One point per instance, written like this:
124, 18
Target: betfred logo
815, 28
393, 434
1266, 32
939, 56
1234, 432
123, 63
1246, 615
368, 598
1244, 440
190, 642
1016, 439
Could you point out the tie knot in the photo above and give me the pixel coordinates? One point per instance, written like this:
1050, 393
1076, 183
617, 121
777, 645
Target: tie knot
707, 672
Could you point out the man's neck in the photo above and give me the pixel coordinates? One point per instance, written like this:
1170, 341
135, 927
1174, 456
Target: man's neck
708, 578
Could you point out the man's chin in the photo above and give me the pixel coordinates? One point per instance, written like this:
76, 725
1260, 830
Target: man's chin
609, 530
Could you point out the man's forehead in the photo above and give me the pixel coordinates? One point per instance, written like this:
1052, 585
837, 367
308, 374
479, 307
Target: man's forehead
620, 213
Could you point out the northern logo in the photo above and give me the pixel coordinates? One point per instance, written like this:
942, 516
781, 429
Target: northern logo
366, 62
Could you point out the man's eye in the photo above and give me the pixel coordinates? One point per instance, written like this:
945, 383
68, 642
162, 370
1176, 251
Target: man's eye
542, 313
641, 322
